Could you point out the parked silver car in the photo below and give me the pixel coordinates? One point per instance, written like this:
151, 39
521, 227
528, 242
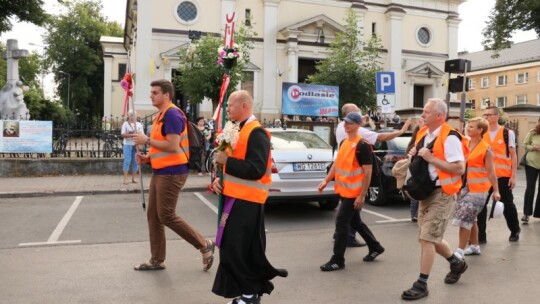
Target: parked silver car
300, 159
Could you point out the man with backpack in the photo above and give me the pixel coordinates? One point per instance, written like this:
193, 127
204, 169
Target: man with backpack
371, 138
503, 143
446, 164
352, 173
168, 156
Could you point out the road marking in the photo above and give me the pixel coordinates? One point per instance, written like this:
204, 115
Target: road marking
379, 215
55, 235
394, 221
49, 243
206, 202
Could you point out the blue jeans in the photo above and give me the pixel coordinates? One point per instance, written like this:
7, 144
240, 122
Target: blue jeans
129, 158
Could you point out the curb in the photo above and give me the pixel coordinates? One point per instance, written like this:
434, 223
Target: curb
85, 192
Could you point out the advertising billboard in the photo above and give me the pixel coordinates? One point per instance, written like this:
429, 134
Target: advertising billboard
310, 100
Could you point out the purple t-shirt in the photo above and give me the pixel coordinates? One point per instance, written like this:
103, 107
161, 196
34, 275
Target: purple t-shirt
174, 124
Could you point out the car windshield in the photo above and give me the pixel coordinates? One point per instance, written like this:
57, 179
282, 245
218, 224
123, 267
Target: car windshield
399, 143
297, 140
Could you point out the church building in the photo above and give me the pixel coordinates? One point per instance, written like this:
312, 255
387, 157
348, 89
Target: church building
417, 37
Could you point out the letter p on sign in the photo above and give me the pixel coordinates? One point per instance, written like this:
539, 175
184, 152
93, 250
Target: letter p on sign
385, 83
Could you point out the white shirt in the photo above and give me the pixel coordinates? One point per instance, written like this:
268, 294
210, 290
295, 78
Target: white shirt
129, 128
368, 135
453, 152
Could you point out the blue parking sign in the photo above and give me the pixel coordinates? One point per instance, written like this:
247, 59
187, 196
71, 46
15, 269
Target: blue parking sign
385, 83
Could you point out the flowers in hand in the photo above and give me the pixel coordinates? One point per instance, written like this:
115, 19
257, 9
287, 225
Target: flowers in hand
227, 138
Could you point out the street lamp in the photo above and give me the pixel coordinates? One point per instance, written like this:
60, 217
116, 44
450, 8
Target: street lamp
69, 86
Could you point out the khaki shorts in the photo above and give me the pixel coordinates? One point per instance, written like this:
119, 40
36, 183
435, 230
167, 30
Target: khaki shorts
433, 215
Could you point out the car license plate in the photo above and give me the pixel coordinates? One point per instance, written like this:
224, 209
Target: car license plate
309, 166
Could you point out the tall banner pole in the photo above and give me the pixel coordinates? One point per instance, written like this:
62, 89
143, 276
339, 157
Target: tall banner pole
127, 84
228, 42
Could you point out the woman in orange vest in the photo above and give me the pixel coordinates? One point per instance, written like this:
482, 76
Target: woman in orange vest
352, 173
480, 175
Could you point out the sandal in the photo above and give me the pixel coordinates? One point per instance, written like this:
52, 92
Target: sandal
417, 291
208, 261
152, 265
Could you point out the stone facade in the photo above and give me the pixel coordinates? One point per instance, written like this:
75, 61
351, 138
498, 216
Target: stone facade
417, 37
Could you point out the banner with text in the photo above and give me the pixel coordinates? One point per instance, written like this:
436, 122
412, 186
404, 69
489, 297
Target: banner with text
25, 136
310, 100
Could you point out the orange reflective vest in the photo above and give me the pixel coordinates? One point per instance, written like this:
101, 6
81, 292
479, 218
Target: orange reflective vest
160, 159
349, 175
503, 163
477, 173
450, 183
249, 190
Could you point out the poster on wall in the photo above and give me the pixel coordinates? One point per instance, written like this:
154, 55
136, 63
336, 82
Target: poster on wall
25, 136
310, 100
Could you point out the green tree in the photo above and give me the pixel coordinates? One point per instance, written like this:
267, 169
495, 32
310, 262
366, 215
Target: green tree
351, 65
508, 16
22, 11
200, 76
75, 56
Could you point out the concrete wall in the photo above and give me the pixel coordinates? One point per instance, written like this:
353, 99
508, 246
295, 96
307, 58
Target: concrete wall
18, 167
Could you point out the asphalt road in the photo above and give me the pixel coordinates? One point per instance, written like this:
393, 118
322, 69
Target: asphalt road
82, 250
104, 219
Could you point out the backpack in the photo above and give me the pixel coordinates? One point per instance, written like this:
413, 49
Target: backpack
195, 137
418, 185
505, 136
376, 167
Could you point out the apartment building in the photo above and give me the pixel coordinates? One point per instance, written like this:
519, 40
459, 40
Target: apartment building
512, 78
510, 81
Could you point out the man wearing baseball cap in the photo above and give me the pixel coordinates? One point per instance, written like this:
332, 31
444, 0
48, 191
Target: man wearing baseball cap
352, 173
371, 138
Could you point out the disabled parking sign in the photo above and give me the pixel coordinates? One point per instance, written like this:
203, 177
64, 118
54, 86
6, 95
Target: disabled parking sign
386, 88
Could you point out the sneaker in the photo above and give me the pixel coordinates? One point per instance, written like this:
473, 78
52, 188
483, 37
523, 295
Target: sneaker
459, 253
472, 250
256, 299
525, 219
373, 254
331, 266
514, 236
414, 219
455, 272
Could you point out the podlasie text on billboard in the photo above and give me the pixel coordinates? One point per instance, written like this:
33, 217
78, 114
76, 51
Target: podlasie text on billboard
310, 100
26, 136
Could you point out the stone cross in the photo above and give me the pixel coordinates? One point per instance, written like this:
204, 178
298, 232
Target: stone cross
13, 55
12, 104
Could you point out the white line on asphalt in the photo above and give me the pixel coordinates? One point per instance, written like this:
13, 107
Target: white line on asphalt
206, 202
55, 235
394, 221
49, 243
63, 222
379, 215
